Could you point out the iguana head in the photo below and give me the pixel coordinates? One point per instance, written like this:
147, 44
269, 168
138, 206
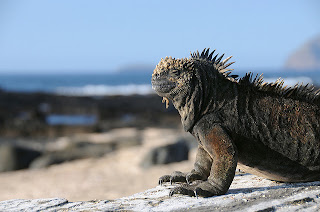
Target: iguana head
192, 83
173, 77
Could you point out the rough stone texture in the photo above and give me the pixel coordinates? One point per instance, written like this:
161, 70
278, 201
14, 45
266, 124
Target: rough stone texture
247, 193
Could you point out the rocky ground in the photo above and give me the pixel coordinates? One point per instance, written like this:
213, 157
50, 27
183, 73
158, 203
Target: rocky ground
101, 184
247, 193
103, 166
114, 175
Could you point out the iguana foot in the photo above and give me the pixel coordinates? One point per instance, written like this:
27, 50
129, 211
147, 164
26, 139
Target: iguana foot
184, 189
197, 189
181, 177
194, 176
173, 178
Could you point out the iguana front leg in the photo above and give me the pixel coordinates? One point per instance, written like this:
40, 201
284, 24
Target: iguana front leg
201, 171
202, 166
219, 146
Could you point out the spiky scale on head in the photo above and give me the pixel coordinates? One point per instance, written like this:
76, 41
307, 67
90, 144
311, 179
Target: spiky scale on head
186, 65
219, 66
169, 63
173, 76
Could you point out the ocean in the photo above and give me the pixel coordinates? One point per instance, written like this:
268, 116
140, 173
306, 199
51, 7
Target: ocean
78, 84
92, 84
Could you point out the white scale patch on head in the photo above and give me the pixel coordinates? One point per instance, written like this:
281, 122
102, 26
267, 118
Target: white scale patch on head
169, 63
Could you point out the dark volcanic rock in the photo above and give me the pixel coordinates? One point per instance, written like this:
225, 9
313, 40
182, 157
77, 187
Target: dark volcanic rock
26, 114
15, 157
176, 152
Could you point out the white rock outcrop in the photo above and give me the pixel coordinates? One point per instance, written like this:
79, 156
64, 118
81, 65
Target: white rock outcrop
247, 193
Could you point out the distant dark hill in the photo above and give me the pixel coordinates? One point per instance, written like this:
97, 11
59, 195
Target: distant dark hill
307, 57
136, 68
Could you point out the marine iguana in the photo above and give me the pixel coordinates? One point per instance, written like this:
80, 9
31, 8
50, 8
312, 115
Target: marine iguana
269, 129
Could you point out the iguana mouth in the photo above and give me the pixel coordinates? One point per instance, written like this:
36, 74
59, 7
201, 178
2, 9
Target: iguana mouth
162, 86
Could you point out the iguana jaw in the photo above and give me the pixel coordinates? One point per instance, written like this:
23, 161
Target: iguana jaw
162, 86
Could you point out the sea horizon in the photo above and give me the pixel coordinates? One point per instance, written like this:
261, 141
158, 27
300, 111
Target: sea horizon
123, 83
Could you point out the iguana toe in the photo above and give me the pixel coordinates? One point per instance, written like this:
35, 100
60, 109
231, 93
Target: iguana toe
184, 189
164, 178
173, 178
178, 177
197, 189
208, 189
191, 177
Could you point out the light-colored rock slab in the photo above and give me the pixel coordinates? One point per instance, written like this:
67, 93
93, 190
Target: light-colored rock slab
32, 205
248, 193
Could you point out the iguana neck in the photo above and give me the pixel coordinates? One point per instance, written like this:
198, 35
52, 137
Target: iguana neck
188, 108
213, 97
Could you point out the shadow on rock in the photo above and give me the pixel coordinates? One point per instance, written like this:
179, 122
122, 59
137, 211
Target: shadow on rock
270, 188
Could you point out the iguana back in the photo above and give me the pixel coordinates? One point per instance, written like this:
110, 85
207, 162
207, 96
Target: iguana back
272, 130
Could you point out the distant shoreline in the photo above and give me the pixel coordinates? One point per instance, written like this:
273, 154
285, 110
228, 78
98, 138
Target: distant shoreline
110, 84
37, 114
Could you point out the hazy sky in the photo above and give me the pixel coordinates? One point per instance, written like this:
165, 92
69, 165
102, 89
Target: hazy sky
101, 35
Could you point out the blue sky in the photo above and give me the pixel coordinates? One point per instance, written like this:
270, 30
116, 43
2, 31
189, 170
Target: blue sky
45, 36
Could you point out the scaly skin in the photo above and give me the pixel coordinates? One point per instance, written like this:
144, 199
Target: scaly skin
270, 130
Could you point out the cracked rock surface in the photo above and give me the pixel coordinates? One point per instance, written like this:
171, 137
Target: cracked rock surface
247, 193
